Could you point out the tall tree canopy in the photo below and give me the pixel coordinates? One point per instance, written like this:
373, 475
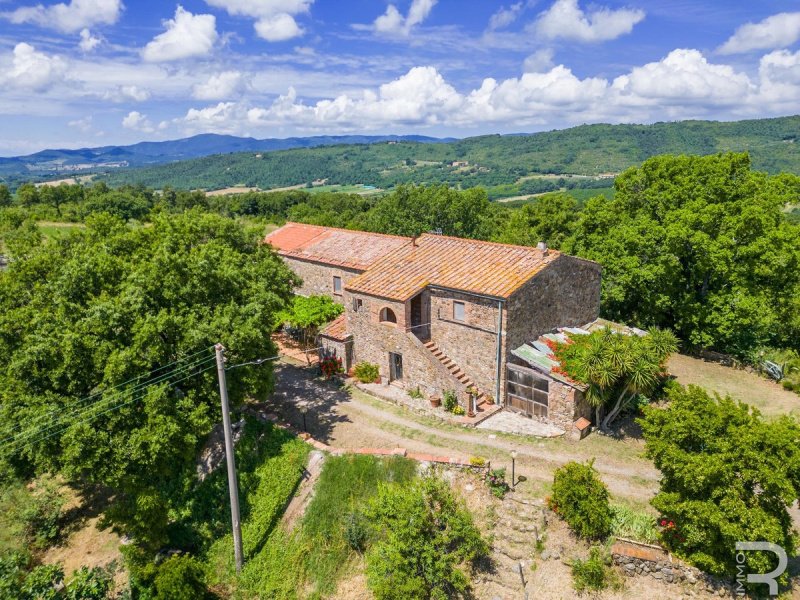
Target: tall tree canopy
412, 210
84, 315
726, 476
699, 244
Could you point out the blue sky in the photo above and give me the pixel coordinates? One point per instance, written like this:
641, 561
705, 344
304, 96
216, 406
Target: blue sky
96, 72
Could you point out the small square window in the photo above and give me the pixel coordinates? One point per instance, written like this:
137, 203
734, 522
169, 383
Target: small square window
337, 285
357, 304
458, 311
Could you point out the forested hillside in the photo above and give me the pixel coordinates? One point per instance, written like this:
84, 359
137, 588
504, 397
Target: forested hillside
589, 150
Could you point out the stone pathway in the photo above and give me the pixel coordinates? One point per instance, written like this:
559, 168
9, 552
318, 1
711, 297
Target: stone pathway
518, 525
510, 422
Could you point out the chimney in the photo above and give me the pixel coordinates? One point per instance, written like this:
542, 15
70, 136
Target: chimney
414, 241
543, 247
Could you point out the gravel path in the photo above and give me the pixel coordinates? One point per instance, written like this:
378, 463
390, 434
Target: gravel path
352, 419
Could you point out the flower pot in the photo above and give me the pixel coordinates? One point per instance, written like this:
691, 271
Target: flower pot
377, 379
436, 402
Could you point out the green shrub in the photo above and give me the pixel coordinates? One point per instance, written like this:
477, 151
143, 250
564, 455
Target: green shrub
366, 372
415, 393
637, 525
42, 583
449, 400
41, 515
581, 499
594, 573
355, 531
89, 584
179, 578
496, 480
425, 541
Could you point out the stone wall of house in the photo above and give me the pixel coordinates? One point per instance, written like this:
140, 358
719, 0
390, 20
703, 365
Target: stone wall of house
373, 340
339, 348
318, 278
566, 405
566, 294
471, 344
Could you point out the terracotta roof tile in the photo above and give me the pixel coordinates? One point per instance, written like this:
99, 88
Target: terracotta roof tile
336, 329
470, 265
342, 247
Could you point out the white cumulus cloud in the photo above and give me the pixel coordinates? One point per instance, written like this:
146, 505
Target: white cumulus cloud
685, 76
777, 31
218, 87
274, 19
565, 19
541, 60
138, 122
394, 23
32, 70
186, 35
71, 17
779, 74
88, 41
278, 28
224, 117
684, 84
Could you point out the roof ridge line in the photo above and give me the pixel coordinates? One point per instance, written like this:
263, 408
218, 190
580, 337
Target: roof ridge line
486, 242
327, 227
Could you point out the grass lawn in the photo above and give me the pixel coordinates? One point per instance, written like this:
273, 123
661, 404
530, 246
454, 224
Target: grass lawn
53, 229
767, 396
344, 189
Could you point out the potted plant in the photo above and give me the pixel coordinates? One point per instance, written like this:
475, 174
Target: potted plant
436, 401
472, 400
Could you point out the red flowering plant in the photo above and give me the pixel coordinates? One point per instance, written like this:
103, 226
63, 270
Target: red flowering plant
670, 532
330, 366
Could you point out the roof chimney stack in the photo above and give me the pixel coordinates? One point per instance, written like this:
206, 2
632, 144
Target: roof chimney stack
414, 241
543, 247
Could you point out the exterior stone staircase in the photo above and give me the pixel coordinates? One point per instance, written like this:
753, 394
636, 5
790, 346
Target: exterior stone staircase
483, 403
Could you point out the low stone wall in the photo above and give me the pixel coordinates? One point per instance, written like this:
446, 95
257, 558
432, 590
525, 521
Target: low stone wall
644, 560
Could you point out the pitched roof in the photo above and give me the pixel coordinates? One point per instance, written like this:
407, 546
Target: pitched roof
342, 247
336, 329
474, 266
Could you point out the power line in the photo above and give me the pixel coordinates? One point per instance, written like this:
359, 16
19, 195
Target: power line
76, 406
108, 410
86, 409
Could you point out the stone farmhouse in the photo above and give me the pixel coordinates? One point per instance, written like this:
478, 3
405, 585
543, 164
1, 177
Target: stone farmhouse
442, 313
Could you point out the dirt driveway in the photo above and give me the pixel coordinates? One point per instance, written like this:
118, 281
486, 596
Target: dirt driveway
348, 418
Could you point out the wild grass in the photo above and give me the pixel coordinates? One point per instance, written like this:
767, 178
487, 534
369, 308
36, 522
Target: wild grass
310, 560
633, 524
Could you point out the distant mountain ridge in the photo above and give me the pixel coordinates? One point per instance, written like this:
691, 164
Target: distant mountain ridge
57, 161
587, 156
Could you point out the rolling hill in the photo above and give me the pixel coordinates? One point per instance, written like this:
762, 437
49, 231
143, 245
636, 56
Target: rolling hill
591, 154
60, 162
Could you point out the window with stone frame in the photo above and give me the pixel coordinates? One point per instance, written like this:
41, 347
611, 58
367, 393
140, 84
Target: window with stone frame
358, 304
459, 311
337, 285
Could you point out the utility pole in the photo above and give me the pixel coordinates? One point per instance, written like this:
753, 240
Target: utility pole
233, 484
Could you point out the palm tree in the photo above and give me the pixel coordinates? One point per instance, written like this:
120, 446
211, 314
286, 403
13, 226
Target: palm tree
617, 367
